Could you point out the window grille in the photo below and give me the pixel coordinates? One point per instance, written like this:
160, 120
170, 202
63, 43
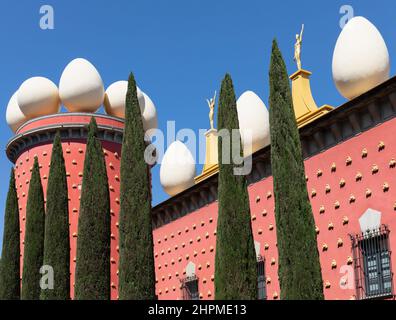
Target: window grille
372, 261
190, 288
262, 289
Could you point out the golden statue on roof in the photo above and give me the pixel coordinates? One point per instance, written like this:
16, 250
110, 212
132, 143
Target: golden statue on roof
305, 108
297, 48
211, 104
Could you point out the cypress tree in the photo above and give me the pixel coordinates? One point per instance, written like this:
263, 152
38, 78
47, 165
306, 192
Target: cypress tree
136, 264
299, 267
235, 262
34, 237
93, 239
10, 287
56, 237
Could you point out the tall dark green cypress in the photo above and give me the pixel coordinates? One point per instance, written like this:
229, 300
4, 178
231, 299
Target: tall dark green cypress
136, 265
235, 262
34, 237
299, 267
93, 238
56, 237
10, 286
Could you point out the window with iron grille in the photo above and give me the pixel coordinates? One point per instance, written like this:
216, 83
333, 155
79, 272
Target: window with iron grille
372, 258
190, 288
262, 290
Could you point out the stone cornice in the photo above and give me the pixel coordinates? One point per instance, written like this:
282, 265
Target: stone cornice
69, 114
353, 117
358, 115
68, 131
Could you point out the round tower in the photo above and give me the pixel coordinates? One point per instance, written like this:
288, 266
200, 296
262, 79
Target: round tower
35, 138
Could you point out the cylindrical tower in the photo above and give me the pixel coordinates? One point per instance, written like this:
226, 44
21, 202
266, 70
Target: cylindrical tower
35, 138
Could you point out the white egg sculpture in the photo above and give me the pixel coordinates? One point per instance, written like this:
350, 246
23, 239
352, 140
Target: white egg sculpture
177, 169
115, 95
149, 113
38, 96
14, 116
81, 87
114, 104
360, 58
253, 119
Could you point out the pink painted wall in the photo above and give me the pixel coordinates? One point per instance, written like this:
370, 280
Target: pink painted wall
171, 262
74, 154
193, 237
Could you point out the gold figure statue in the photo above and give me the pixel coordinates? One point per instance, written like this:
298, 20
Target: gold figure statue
211, 104
297, 48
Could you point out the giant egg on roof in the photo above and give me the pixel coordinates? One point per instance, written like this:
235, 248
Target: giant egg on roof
14, 116
149, 113
177, 169
114, 104
115, 95
360, 58
253, 122
38, 96
81, 87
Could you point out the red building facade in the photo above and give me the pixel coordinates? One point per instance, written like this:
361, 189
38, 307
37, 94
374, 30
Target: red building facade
350, 158
35, 138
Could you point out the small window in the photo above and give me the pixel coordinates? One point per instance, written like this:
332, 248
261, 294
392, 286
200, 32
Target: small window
373, 274
190, 288
262, 290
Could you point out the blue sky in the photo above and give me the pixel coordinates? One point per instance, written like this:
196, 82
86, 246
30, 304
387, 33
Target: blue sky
179, 50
